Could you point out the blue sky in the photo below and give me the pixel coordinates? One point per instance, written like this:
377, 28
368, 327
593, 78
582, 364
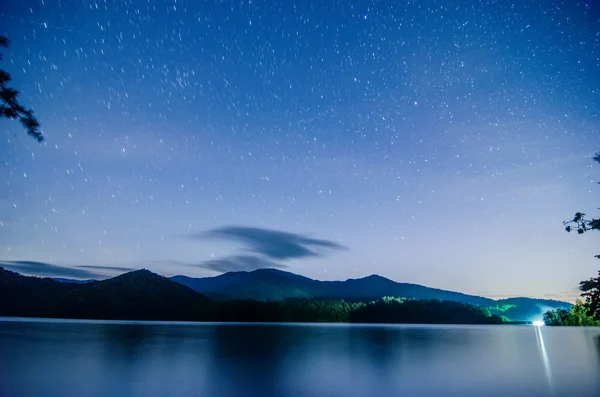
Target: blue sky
428, 143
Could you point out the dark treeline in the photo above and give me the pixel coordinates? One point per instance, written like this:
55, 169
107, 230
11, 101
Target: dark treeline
577, 315
385, 310
393, 310
584, 312
142, 295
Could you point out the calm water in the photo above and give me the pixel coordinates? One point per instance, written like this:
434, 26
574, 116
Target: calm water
74, 358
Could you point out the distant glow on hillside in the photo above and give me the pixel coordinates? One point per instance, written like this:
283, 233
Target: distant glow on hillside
538, 323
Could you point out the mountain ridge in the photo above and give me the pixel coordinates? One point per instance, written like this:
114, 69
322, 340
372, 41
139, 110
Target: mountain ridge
260, 295
277, 285
371, 277
210, 283
136, 295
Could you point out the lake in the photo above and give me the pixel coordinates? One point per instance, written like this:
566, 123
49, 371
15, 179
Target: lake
56, 358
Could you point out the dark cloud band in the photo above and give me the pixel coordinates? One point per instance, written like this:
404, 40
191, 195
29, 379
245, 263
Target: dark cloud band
273, 244
114, 268
240, 263
49, 270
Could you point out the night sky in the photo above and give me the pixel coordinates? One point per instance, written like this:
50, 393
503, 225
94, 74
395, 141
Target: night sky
434, 142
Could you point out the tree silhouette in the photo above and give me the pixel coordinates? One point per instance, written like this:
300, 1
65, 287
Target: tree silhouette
590, 288
9, 103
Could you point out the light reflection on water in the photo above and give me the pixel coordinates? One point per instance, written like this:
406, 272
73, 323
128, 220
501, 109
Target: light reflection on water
169, 359
544, 355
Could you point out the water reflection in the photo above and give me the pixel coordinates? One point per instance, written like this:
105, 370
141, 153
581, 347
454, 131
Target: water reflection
100, 359
596, 340
125, 341
248, 358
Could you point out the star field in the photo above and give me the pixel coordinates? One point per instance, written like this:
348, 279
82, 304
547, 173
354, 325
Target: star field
437, 143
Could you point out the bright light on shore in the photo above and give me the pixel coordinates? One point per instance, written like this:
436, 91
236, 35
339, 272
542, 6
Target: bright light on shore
538, 323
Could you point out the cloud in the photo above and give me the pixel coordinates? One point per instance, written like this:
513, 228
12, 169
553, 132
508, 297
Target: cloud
49, 270
273, 244
239, 263
566, 296
115, 268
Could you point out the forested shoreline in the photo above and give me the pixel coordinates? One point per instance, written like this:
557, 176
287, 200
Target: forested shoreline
387, 310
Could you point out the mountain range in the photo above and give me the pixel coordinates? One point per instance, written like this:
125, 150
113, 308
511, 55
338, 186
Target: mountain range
277, 285
137, 295
272, 285
143, 295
